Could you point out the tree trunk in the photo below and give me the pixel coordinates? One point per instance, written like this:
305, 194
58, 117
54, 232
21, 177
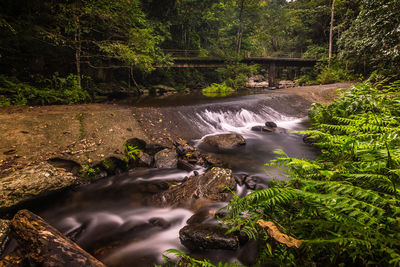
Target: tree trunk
239, 33
45, 246
331, 30
78, 50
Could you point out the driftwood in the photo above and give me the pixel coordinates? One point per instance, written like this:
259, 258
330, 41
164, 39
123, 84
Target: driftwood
274, 232
45, 246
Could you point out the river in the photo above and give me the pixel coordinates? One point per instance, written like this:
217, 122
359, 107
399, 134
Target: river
111, 219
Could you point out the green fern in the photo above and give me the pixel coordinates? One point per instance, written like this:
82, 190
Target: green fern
344, 205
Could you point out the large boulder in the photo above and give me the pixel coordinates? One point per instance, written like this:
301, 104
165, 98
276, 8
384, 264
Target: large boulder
224, 141
207, 236
32, 182
208, 186
166, 159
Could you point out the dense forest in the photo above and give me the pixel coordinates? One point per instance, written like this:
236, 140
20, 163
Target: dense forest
73, 51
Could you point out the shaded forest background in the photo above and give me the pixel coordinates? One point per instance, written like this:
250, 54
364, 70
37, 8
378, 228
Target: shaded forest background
72, 51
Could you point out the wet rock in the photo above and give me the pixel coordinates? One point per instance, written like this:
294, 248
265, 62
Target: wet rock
69, 165
4, 230
32, 182
166, 159
212, 160
240, 179
186, 166
136, 142
209, 186
255, 182
271, 124
261, 128
224, 141
200, 216
160, 222
145, 160
183, 148
112, 165
153, 149
75, 234
46, 246
207, 236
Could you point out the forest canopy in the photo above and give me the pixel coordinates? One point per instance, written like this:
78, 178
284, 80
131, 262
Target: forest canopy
121, 42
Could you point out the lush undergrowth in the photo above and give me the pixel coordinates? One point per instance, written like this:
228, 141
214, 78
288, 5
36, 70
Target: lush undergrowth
216, 90
55, 90
345, 205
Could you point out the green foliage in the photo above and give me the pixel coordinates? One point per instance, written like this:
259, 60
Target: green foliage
216, 90
235, 74
325, 73
131, 152
57, 90
91, 171
344, 205
372, 40
185, 260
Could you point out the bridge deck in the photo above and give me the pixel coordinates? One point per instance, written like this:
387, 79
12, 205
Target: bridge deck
209, 62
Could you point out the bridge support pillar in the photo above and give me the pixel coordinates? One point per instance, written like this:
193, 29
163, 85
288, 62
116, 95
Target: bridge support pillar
272, 76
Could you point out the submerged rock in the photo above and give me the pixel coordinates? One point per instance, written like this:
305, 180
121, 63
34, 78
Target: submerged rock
208, 186
166, 159
261, 128
207, 236
32, 182
160, 222
224, 141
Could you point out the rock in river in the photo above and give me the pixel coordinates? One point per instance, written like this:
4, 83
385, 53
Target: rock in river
261, 128
32, 182
166, 159
207, 236
224, 141
210, 186
271, 124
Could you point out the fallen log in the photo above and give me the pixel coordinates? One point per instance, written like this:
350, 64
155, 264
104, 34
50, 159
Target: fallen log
46, 246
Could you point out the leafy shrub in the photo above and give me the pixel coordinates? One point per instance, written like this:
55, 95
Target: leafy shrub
215, 90
235, 74
345, 205
324, 73
57, 90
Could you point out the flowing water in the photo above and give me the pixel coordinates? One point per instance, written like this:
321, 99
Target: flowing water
113, 218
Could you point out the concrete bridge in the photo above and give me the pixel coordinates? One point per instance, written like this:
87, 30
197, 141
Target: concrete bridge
274, 66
